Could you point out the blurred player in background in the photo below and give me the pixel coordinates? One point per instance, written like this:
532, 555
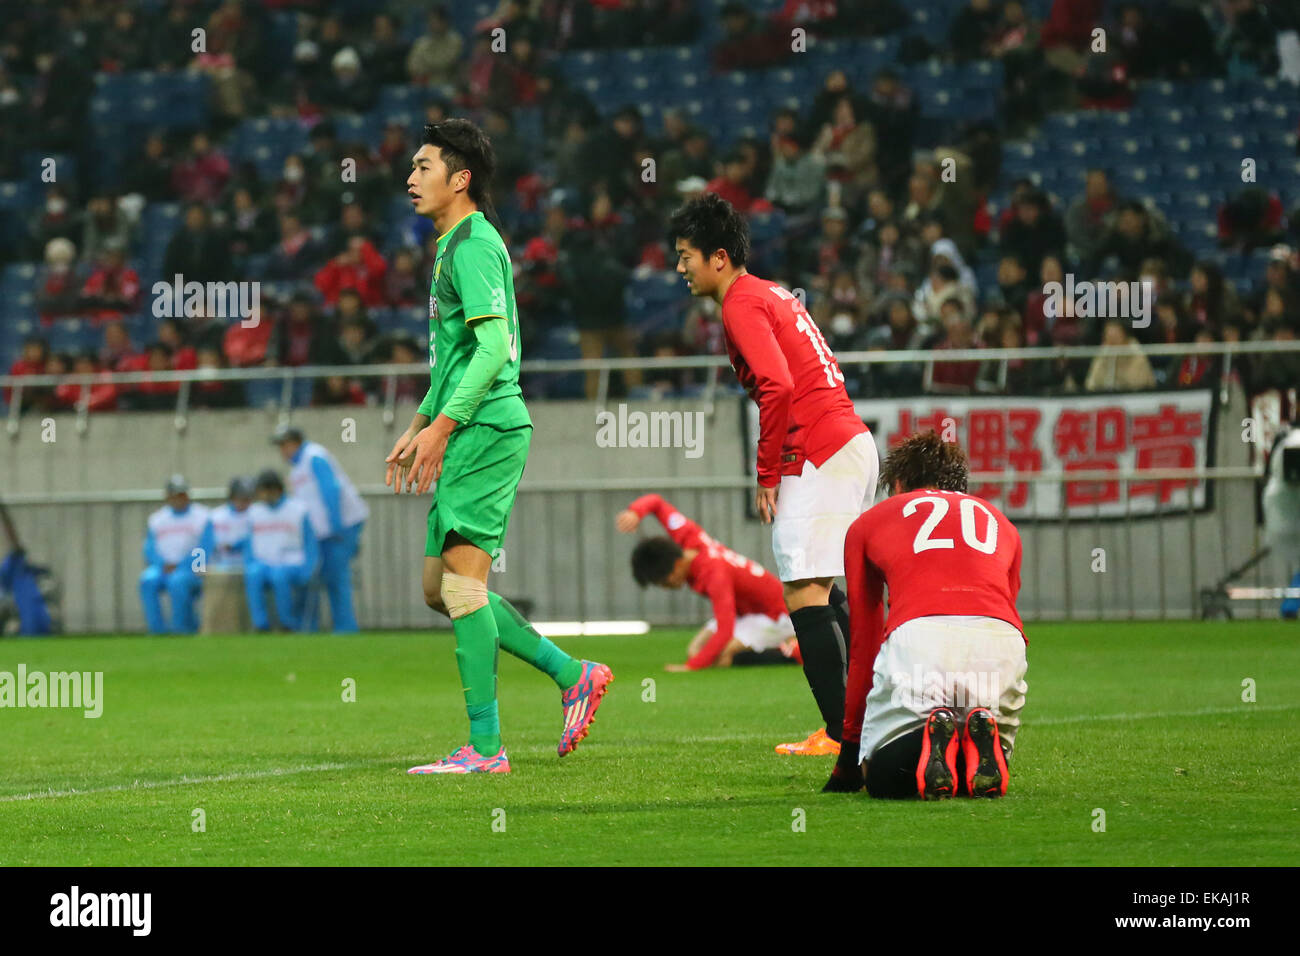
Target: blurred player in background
225, 537
935, 690
471, 435
169, 545
338, 516
1281, 507
817, 462
283, 555
749, 623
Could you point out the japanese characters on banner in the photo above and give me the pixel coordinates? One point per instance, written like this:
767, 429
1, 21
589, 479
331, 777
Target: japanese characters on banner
1018, 436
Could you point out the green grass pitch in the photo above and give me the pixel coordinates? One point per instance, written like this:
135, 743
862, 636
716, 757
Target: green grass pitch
1144, 721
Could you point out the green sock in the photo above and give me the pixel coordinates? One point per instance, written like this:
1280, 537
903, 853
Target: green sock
519, 638
476, 658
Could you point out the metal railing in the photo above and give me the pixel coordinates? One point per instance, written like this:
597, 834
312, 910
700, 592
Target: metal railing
289, 376
564, 556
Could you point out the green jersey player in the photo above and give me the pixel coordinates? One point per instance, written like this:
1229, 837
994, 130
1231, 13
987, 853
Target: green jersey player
471, 435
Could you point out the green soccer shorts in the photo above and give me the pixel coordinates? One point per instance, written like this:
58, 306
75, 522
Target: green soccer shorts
476, 490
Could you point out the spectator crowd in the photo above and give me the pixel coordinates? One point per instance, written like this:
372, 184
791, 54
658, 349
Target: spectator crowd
897, 242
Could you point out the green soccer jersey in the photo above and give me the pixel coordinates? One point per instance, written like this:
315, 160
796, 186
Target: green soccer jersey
472, 279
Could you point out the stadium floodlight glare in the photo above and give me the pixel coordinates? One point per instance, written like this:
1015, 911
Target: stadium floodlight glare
590, 628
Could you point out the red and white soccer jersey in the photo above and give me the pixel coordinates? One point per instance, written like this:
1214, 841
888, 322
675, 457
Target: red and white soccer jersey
952, 637
811, 442
737, 587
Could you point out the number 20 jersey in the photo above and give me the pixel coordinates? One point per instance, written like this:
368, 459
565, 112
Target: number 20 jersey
784, 363
939, 552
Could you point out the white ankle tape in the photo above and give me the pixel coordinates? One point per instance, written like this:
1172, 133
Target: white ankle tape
463, 595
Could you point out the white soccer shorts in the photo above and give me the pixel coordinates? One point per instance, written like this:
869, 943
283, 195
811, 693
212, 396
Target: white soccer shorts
758, 632
815, 508
955, 661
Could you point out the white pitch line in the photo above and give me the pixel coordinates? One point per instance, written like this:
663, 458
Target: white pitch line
1242, 708
727, 738
187, 781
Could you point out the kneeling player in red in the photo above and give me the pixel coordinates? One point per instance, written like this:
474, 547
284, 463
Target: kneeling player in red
935, 690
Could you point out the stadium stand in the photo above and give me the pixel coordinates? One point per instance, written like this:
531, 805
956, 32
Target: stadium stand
878, 103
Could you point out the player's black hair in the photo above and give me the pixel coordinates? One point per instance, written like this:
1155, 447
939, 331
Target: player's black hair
653, 560
465, 146
925, 461
270, 479
710, 223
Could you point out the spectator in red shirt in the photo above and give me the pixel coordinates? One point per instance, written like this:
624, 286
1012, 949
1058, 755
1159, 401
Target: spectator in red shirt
202, 174
103, 396
359, 267
338, 390
60, 291
731, 184
958, 377
118, 354
215, 394
403, 285
1199, 370
291, 343
172, 334
55, 399
410, 388
1250, 219
113, 289
1067, 32
1035, 315
157, 394
748, 44
32, 361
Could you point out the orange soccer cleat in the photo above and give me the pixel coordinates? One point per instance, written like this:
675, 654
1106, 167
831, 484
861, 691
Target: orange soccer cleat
936, 771
818, 744
986, 764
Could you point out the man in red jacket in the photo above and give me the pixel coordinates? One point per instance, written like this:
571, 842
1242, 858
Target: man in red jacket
360, 267
945, 671
749, 618
814, 451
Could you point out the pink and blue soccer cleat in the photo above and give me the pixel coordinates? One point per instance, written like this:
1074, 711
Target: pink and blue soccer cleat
467, 760
580, 703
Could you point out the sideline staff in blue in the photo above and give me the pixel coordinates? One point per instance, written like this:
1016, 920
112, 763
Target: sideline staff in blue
338, 515
169, 553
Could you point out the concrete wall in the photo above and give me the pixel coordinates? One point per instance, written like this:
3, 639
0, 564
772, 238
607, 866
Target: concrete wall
561, 552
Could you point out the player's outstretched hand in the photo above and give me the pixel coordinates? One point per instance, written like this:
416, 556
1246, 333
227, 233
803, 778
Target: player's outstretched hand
627, 521
399, 464
765, 503
429, 447
676, 668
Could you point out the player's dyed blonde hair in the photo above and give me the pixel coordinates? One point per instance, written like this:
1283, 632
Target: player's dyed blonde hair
925, 461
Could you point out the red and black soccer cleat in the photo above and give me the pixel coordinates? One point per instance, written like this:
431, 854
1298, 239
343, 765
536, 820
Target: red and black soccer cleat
986, 764
936, 771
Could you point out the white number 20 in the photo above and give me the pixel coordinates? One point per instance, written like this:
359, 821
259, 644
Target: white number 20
923, 541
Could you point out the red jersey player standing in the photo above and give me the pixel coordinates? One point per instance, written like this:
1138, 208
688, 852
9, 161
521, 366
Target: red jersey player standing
942, 679
817, 462
749, 619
